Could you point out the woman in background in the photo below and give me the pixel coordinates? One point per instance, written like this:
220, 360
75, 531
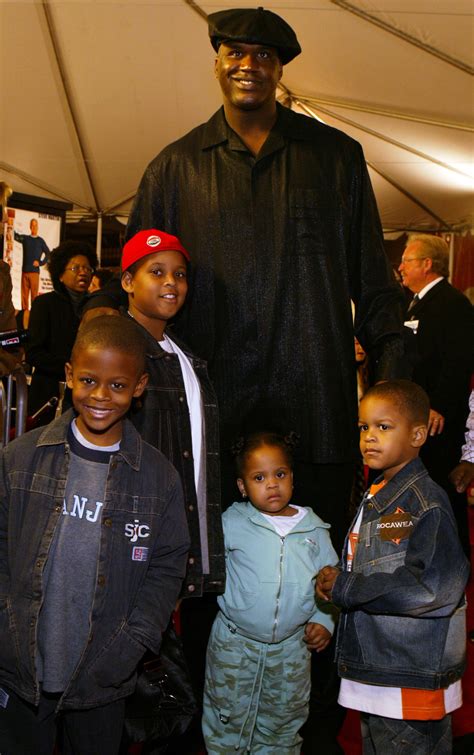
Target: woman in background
54, 322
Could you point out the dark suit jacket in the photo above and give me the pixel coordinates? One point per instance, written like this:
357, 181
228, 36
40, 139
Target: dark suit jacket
442, 352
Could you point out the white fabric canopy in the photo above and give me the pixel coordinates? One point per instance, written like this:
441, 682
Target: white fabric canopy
91, 91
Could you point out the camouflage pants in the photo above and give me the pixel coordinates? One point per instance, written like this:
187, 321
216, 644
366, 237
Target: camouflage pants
256, 694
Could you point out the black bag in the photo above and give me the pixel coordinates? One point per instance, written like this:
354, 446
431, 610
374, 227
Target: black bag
163, 703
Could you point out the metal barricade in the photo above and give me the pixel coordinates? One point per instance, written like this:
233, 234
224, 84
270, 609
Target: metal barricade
6, 401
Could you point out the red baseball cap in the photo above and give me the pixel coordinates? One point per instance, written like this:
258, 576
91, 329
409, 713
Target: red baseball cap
150, 242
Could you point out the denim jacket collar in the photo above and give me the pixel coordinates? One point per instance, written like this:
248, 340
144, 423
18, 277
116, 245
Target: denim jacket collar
130, 445
153, 348
411, 472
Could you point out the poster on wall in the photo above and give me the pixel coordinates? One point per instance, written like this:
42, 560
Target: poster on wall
27, 241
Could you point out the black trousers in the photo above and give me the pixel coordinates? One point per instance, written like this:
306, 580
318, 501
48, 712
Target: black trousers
440, 454
326, 488
29, 730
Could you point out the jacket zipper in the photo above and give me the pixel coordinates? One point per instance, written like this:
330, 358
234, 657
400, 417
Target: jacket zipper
277, 606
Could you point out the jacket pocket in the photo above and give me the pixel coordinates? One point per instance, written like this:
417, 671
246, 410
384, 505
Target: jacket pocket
306, 215
240, 599
117, 662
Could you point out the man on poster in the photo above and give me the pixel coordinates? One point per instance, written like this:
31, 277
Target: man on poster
35, 255
279, 216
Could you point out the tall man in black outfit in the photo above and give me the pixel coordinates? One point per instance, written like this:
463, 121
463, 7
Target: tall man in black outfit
439, 332
279, 216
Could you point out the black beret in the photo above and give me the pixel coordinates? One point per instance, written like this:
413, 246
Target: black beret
255, 26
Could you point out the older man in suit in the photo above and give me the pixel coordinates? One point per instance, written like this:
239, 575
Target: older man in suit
440, 341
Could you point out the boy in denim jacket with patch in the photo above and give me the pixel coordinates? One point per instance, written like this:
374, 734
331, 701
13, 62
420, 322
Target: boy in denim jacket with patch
401, 638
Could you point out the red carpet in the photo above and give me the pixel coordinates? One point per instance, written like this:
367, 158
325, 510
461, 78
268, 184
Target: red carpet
463, 719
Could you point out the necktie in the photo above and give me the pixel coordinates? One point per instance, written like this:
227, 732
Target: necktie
414, 301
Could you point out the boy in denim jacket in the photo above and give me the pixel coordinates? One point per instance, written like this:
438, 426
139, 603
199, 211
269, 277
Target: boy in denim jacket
93, 548
401, 638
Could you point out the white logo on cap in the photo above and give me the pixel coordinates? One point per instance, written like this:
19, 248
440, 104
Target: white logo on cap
153, 241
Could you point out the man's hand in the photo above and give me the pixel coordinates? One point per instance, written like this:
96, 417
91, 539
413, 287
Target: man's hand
36, 263
325, 582
435, 423
462, 475
316, 636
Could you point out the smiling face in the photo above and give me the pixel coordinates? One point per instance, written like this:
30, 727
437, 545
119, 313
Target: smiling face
103, 383
157, 290
388, 439
77, 274
267, 480
248, 75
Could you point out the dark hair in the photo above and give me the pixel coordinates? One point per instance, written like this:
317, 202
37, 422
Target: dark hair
104, 275
410, 398
243, 446
113, 332
133, 267
59, 258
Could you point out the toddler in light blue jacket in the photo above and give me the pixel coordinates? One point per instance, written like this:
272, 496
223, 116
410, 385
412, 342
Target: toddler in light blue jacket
258, 659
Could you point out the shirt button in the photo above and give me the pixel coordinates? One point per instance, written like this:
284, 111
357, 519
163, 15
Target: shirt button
190, 507
108, 522
39, 564
186, 454
191, 588
181, 399
101, 580
168, 358
191, 560
58, 508
370, 505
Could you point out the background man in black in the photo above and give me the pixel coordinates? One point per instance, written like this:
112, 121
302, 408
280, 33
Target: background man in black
282, 226
440, 343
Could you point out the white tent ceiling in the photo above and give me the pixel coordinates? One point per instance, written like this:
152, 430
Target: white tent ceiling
91, 91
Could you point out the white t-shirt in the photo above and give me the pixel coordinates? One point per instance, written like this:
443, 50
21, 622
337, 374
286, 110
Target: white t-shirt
192, 388
284, 524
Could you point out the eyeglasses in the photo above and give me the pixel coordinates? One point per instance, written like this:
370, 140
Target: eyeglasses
78, 268
411, 259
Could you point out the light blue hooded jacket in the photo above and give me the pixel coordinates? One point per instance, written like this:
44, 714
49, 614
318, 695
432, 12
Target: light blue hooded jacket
269, 591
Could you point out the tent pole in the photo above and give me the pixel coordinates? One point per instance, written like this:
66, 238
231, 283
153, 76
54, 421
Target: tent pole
451, 257
98, 245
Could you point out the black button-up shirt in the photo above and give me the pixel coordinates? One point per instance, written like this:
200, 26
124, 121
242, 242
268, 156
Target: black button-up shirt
280, 243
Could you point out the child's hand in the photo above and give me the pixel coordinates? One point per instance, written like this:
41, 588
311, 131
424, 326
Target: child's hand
316, 636
325, 582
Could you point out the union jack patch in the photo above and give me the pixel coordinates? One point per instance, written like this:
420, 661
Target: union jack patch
139, 553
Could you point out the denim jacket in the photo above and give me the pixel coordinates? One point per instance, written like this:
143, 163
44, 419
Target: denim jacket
133, 598
161, 417
403, 617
